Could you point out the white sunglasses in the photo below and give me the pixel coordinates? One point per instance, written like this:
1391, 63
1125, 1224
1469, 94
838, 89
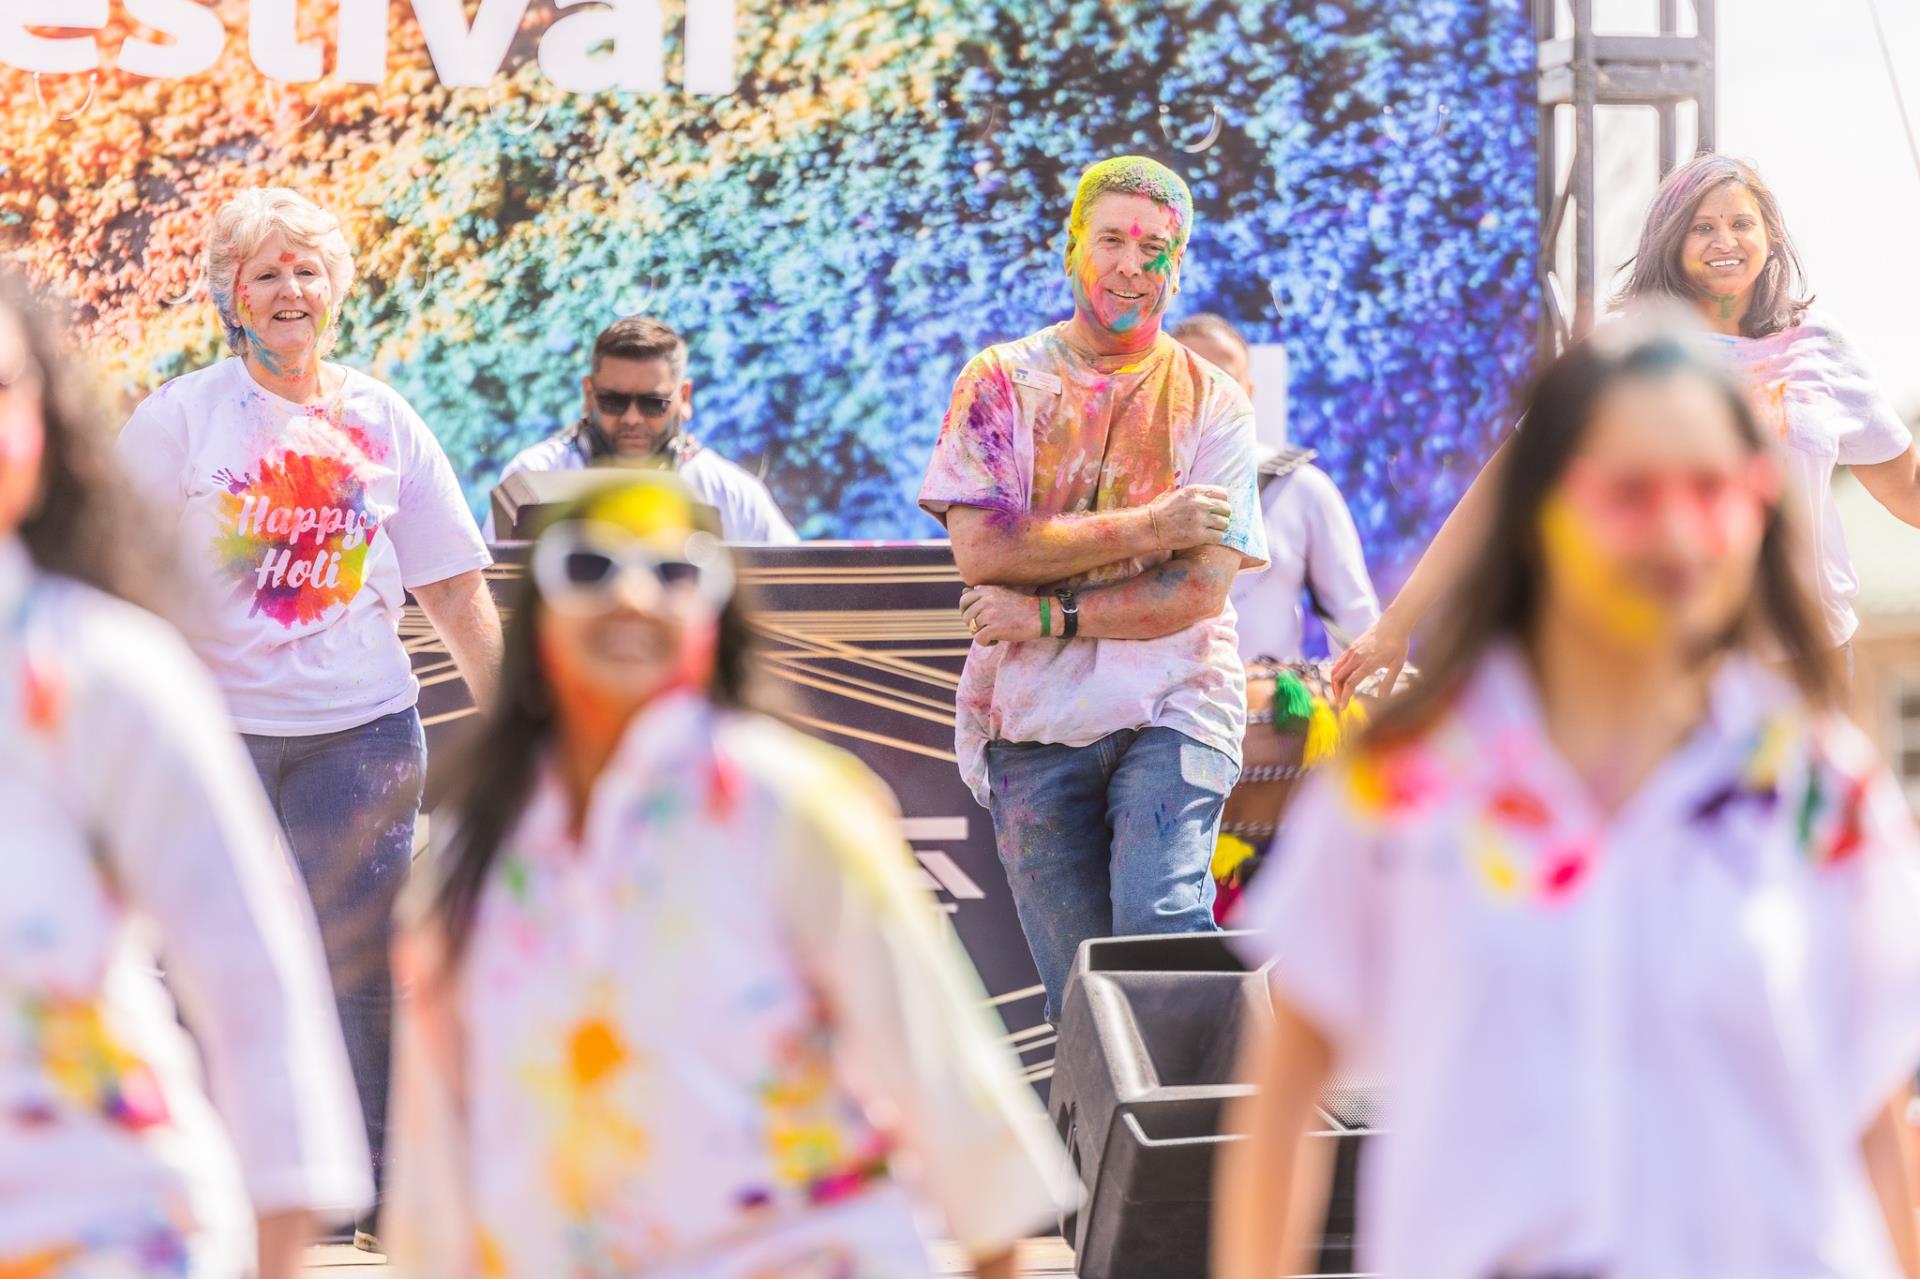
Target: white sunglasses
579, 564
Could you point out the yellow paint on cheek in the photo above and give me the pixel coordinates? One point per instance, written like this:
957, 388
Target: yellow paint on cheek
1628, 613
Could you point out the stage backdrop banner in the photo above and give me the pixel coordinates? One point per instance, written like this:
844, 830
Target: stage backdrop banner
837, 201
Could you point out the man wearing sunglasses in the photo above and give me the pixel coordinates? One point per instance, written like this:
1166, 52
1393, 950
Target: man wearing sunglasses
635, 405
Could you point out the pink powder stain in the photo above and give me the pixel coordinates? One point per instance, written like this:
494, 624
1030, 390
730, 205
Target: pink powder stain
723, 789
1566, 871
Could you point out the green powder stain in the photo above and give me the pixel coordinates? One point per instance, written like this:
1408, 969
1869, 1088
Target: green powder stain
1809, 809
1726, 307
514, 872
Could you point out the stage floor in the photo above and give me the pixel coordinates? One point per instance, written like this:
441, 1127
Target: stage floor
1039, 1259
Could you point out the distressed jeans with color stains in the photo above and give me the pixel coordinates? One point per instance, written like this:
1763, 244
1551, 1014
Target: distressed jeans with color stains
347, 802
1114, 839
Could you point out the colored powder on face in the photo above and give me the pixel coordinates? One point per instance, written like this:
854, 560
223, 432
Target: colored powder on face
1629, 615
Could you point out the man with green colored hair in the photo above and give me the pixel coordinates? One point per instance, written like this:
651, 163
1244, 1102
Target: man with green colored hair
1097, 481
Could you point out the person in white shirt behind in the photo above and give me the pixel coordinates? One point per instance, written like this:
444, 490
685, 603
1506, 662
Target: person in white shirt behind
636, 401
1312, 544
134, 824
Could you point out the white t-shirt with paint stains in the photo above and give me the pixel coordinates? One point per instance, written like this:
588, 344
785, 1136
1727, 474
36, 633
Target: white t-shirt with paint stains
1644, 1044
308, 523
1039, 427
1814, 394
635, 1075
135, 827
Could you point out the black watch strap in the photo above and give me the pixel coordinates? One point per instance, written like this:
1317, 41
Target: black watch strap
1069, 614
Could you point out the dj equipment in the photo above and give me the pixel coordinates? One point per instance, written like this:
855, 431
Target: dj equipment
526, 500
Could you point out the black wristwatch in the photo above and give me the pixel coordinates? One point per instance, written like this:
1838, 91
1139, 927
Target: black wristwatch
1069, 614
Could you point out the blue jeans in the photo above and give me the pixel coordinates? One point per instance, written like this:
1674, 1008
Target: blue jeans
1109, 840
347, 802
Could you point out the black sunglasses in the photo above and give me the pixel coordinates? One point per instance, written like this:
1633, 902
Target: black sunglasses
614, 404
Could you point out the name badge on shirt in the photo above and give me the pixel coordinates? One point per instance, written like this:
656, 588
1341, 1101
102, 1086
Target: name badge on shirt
1039, 380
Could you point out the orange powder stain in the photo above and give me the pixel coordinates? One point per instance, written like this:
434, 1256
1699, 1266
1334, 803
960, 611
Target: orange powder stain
44, 693
38, 1265
594, 1052
1770, 407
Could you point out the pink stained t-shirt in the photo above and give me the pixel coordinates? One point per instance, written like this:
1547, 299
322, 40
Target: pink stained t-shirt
308, 523
1038, 427
1812, 392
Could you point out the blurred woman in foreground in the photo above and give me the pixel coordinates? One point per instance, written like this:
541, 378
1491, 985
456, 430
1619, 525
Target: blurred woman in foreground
133, 822
1626, 922
677, 1000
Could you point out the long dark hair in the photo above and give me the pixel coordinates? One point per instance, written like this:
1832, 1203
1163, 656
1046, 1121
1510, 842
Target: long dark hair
84, 523
1496, 598
1654, 270
502, 761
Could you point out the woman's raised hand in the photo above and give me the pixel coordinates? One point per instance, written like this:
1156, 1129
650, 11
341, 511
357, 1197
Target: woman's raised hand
1382, 646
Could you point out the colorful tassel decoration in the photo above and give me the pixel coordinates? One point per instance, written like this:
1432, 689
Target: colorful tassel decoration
1323, 735
1353, 719
1292, 703
1230, 853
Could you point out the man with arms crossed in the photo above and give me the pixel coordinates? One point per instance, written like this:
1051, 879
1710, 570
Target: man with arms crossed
1097, 481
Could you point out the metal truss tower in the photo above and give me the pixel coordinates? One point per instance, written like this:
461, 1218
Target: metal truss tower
1581, 73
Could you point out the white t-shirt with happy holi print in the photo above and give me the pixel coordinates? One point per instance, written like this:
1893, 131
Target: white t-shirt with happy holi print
1813, 393
308, 523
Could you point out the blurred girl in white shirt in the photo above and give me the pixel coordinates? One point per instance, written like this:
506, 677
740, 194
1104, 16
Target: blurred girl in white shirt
133, 824
679, 1007
1625, 919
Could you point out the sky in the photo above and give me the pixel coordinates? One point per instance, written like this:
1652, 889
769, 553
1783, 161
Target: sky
1804, 94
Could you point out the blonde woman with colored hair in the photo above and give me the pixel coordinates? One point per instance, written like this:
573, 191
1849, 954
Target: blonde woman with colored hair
306, 499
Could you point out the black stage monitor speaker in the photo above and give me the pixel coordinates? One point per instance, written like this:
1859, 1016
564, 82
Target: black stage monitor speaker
1149, 1034
526, 500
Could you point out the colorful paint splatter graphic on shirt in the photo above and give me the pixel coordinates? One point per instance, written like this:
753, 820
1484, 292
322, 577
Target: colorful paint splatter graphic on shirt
882, 198
298, 534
